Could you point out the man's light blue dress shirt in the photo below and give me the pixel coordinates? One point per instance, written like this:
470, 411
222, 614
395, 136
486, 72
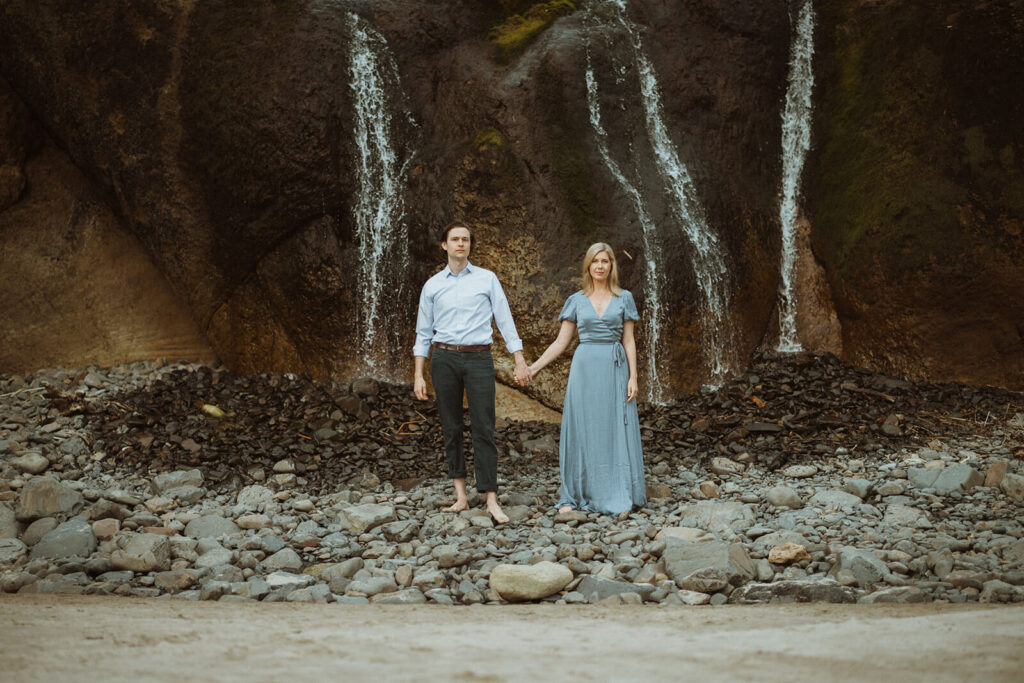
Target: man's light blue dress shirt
457, 309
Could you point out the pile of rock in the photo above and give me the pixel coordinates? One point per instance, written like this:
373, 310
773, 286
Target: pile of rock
849, 514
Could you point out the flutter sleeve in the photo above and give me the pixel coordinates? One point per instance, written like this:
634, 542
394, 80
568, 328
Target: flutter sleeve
568, 310
629, 306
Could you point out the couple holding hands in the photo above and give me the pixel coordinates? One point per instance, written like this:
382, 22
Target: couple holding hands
599, 452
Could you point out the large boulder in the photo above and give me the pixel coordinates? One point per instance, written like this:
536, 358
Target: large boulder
142, 553
32, 463
518, 583
11, 550
211, 526
359, 518
73, 538
956, 477
716, 515
9, 526
254, 495
596, 588
865, 566
1013, 486
793, 590
172, 480
707, 567
47, 497
834, 499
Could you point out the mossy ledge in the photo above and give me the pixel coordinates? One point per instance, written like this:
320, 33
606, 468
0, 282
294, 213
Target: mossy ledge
513, 35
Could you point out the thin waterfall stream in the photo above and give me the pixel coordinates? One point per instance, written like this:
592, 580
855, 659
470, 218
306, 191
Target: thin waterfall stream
379, 210
652, 248
707, 254
796, 140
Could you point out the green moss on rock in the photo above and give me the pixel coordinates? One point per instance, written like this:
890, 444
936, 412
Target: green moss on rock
516, 32
489, 137
885, 175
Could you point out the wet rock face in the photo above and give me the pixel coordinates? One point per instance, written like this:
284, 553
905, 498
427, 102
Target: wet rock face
223, 136
913, 186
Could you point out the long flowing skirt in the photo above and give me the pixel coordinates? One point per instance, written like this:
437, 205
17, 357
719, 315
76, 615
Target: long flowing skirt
599, 452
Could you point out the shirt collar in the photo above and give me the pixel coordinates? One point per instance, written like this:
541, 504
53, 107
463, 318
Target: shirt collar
448, 270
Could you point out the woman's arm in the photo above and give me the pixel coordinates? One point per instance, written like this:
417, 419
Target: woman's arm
562, 341
629, 343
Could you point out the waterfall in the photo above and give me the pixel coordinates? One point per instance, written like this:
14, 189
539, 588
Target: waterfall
652, 249
708, 259
379, 208
796, 140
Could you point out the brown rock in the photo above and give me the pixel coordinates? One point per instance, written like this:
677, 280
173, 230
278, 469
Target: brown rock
788, 553
1013, 486
701, 424
709, 489
105, 529
726, 466
658, 491
995, 473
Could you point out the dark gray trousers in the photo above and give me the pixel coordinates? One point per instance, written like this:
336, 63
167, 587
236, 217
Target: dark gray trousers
473, 373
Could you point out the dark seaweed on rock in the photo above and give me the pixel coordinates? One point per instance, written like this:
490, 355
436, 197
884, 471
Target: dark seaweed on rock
785, 410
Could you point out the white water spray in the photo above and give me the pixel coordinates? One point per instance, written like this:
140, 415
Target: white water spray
796, 140
708, 261
652, 248
380, 207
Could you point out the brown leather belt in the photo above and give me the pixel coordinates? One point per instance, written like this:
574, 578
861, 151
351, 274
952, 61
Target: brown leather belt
462, 348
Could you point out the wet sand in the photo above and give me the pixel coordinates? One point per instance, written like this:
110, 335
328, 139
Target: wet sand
74, 638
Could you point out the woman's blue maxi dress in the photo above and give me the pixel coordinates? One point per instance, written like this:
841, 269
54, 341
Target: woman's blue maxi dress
599, 452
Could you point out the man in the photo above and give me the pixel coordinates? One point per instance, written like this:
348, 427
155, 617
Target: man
455, 312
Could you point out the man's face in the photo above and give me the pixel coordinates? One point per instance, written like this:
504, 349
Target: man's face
457, 243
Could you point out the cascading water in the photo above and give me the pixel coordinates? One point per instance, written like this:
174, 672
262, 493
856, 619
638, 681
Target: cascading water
708, 261
652, 287
796, 140
379, 208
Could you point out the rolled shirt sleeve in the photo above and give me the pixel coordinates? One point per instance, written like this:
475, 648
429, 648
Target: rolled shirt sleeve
424, 324
503, 317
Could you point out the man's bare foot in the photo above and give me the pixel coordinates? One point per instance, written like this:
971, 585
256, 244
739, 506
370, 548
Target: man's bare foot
457, 506
564, 509
496, 512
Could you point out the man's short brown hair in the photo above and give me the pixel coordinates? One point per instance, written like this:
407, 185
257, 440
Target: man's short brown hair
459, 224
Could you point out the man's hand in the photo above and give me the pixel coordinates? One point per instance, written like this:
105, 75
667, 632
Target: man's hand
522, 373
420, 388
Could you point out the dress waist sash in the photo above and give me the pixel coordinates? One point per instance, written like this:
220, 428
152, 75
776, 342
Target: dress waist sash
620, 360
620, 351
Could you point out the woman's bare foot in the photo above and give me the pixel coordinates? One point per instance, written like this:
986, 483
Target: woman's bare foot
564, 509
457, 506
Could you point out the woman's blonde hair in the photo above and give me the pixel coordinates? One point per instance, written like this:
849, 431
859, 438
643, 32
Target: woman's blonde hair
613, 276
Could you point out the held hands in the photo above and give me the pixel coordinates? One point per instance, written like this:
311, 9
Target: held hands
522, 374
631, 389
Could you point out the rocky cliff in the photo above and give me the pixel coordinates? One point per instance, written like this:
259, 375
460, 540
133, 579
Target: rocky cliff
915, 188
229, 139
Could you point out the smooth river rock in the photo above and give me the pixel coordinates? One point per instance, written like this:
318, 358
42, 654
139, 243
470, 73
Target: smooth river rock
517, 583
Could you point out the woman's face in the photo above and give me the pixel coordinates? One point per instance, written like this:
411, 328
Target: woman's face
601, 267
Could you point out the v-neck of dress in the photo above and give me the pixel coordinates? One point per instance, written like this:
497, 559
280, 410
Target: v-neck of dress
600, 316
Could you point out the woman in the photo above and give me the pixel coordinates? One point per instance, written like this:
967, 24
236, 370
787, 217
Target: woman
599, 452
